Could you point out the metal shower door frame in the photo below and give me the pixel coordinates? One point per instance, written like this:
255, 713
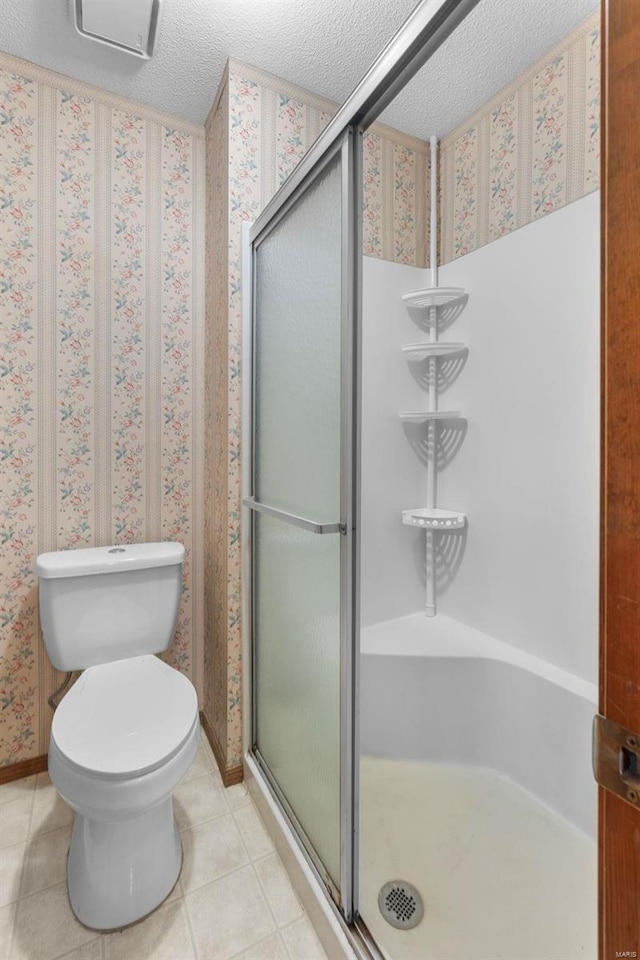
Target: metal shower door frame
349, 149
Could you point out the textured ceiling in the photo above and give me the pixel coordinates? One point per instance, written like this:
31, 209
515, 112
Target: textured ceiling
323, 45
497, 41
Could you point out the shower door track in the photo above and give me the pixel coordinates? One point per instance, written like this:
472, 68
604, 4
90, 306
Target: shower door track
357, 933
312, 857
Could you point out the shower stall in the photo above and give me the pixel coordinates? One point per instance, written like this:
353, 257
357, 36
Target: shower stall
433, 770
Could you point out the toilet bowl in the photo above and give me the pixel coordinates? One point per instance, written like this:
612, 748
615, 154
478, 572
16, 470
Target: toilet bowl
128, 730
121, 741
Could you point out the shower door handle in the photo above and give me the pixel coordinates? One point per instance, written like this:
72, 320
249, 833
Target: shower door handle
313, 526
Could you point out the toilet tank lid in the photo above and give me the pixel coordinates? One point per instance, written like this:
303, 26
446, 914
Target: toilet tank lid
114, 559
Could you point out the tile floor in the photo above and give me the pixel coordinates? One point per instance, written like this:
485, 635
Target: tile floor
233, 898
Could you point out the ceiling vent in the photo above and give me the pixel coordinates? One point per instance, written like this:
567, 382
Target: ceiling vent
127, 25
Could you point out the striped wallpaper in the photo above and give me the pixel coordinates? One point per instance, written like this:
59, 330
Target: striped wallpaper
101, 356
530, 150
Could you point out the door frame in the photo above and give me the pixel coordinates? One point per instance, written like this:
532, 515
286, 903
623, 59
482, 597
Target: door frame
619, 820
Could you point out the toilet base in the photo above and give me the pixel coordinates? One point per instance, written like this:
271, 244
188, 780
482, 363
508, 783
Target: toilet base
119, 871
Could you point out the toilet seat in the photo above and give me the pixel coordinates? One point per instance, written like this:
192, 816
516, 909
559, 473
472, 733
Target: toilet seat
125, 718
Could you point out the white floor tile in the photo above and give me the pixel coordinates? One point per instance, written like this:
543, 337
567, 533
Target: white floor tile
176, 894
211, 850
17, 789
46, 860
202, 764
196, 801
301, 941
253, 832
270, 949
89, 951
11, 866
162, 936
279, 892
207, 748
7, 916
50, 812
46, 927
228, 916
231, 911
16, 815
237, 796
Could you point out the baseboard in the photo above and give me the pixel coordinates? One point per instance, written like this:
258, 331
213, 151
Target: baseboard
230, 775
23, 768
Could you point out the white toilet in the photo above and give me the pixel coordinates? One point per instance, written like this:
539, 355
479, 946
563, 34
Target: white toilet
127, 731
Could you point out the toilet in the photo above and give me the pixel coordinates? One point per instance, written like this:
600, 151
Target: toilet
128, 730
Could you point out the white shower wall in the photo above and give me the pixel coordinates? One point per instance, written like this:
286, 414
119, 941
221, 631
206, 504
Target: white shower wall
392, 476
526, 472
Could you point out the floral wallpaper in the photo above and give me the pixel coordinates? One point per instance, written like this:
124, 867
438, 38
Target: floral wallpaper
591, 131
395, 206
290, 133
101, 360
128, 353
503, 166
74, 272
532, 149
19, 434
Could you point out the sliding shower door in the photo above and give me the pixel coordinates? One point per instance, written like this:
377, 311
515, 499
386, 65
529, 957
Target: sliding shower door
300, 501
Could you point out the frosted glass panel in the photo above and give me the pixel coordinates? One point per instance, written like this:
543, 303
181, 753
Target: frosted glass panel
297, 356
297, 643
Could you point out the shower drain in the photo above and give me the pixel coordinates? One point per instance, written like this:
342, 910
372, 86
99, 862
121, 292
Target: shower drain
400, 904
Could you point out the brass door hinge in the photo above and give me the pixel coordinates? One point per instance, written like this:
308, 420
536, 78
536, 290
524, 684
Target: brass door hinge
616, 759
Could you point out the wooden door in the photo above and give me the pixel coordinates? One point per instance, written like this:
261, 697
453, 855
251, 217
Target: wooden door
620, 593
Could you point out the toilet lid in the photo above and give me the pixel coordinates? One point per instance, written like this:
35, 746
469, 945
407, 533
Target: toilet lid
125, 718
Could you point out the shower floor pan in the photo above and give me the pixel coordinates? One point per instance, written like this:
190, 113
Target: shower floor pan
502, 876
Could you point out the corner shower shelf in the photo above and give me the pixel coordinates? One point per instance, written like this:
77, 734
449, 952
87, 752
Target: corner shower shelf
433, 519
425, 416
433, 309
433, 296
420, 351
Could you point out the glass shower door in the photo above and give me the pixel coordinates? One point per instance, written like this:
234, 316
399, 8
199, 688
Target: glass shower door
301, 528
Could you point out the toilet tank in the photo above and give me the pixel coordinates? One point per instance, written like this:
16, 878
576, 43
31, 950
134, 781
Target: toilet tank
109, 603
